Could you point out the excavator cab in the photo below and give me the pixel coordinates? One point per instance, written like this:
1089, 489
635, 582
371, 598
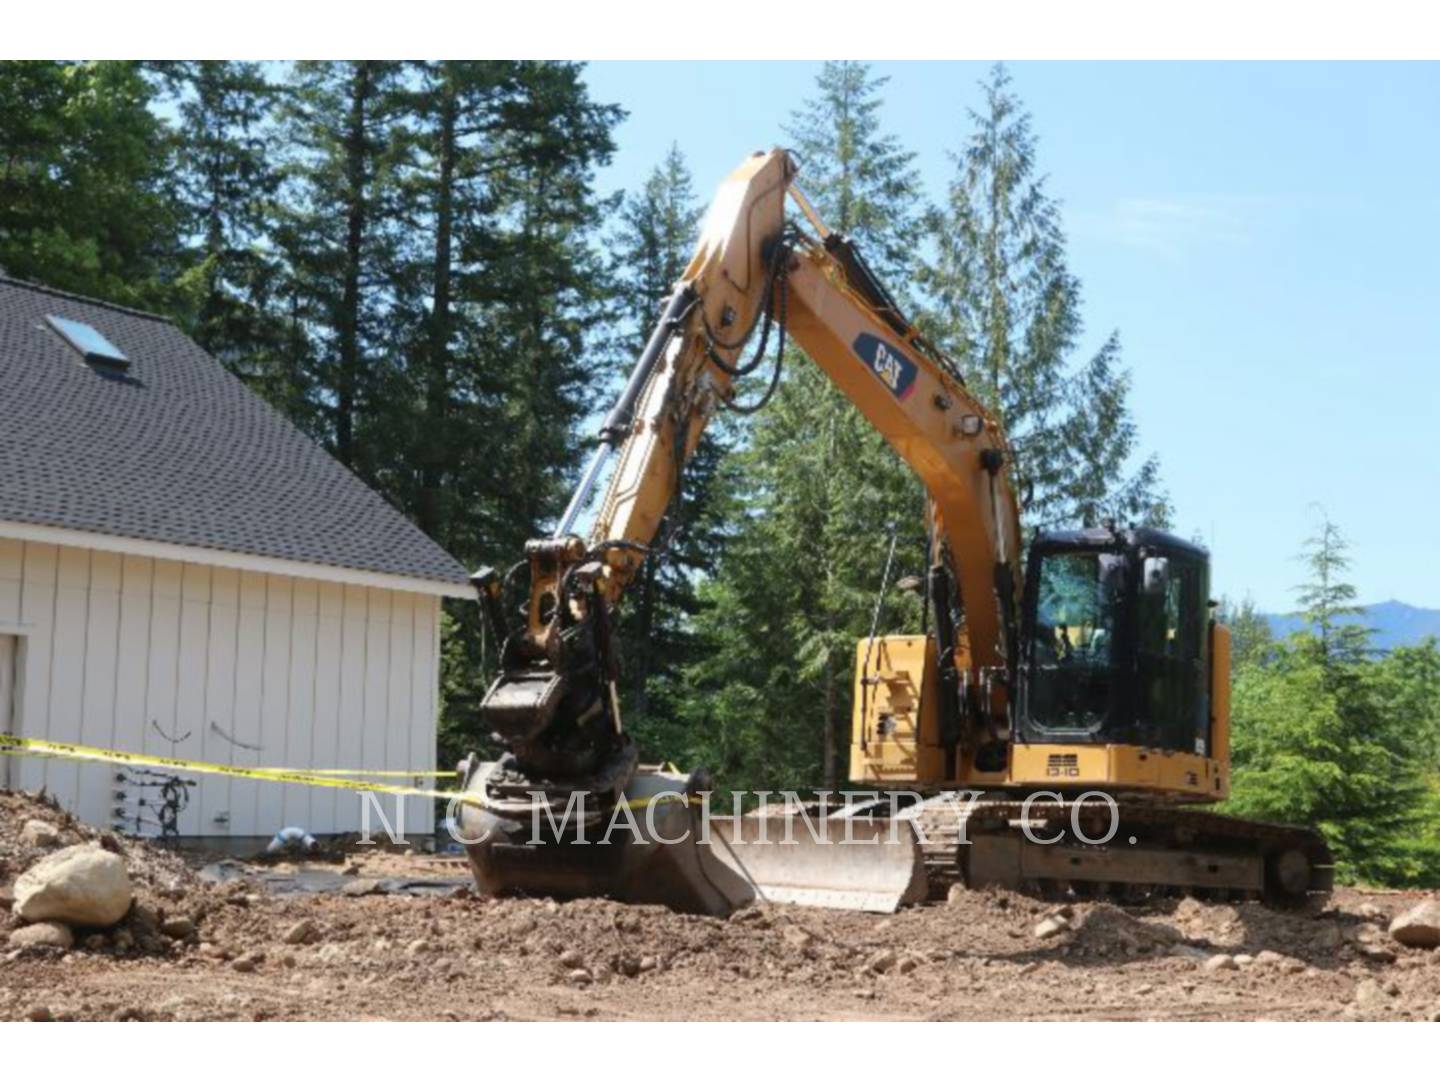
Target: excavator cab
1119, 682
1115, 642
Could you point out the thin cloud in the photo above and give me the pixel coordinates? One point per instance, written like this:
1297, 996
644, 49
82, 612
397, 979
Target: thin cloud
1170, 227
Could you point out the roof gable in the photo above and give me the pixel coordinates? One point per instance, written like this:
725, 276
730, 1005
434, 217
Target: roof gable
175, 449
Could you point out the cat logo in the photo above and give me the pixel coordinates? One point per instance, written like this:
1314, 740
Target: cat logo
887, 367
892, 367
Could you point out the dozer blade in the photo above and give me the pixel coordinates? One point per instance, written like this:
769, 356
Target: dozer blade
685, 859
857, 864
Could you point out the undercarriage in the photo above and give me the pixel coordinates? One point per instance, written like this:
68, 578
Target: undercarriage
1148, 849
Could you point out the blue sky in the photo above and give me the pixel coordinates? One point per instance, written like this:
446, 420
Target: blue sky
1263, 237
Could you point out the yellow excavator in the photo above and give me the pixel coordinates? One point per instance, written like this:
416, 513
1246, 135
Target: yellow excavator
1058, 727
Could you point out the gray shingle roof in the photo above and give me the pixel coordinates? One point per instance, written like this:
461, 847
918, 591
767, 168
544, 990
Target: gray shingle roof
176, 450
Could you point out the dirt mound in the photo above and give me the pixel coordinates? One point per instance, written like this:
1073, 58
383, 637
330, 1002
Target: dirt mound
150, 865
32, 827
1102, 929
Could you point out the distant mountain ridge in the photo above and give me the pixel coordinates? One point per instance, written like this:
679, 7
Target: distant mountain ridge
1395, 624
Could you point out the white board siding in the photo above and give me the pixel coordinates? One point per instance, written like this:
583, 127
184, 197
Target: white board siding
219, 664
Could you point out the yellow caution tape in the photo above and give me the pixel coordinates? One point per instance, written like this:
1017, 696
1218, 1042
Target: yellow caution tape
356, 772
14, 745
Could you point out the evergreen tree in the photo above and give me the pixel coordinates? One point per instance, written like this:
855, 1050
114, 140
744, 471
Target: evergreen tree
544, 300
83, 162
1328, 602
655, 238
338, 235
1250, 637
816, 493
225, 181
497, 301
1003, 302
861, 177
1322, 736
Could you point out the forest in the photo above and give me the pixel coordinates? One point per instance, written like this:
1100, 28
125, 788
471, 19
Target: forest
414, 262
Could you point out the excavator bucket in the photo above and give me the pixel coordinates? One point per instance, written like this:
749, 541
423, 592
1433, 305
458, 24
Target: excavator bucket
657, 846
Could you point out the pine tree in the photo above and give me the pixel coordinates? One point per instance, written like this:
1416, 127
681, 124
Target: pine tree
1002, 300
816, 494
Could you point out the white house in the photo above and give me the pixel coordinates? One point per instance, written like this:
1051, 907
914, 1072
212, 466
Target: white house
184, 573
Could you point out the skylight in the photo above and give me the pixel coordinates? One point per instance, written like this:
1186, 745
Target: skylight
88, 342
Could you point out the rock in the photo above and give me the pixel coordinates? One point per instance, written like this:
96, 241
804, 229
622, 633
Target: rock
629, 966
648, 963
7, 897
1268, 956
1221, 962
178, 927
1376, 952
795, 937
957, 894
55, 935
1419, 928
418, 946
39, 1014
360, 888
881, 962
83, 885
572, 959
1243, 960
1190, 952
1369, 911
579, 977
303, 931
1050, 926
908, 963
40, 833
243, 964
1370, 994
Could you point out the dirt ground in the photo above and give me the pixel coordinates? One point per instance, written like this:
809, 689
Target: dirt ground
379, 944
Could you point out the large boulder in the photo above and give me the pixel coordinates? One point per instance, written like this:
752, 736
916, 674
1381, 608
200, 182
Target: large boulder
1419, 927
84, 885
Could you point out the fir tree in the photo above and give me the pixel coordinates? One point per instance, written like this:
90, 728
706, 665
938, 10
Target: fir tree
1328, 601
658, 229
1002, 300
1323, 736
225, 182
816, 493
338, 235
